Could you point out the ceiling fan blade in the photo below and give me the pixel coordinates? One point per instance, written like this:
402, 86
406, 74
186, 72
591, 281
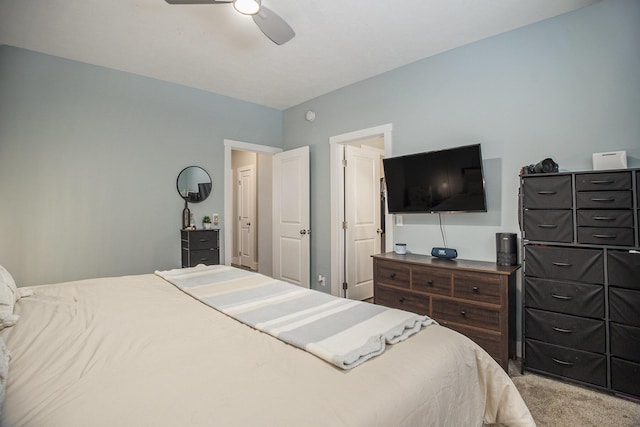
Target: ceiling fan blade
273, 26
198, 1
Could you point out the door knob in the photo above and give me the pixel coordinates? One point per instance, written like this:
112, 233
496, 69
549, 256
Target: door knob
303, 232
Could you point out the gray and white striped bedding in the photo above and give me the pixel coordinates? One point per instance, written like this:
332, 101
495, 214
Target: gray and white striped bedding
343, 332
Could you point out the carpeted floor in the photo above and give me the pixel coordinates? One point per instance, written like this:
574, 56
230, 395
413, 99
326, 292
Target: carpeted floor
556, 403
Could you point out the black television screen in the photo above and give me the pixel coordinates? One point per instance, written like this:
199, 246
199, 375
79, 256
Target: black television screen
448, 180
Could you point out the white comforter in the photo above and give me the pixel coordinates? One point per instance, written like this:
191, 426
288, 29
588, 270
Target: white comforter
136, 351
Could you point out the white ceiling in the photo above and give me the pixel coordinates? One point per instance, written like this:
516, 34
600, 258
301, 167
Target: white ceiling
214, 48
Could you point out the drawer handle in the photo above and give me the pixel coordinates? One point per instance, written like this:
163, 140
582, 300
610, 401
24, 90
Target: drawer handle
604, 218
547, 226
564, 331
561, 297
401, 300
203, 240
463, 313
430, 282
605, 236
604, 181
392, 276
561, 264
603, 199
562, 362
547, 193
203, 259
475, 289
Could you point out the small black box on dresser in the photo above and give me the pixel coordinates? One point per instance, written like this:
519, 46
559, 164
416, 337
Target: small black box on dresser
200, 247
581, 296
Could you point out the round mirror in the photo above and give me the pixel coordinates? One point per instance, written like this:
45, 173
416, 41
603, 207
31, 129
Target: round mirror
194, 184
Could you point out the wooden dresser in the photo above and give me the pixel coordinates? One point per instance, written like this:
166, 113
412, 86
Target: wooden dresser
200, 247
475, 298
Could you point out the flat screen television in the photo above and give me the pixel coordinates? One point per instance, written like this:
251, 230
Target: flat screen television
449, 180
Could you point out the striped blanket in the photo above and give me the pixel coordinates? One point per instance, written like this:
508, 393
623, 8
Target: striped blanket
343, 332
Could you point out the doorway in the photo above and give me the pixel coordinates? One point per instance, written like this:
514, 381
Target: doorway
357, 223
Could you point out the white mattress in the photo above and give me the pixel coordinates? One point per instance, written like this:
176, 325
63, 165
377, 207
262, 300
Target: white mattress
136, 351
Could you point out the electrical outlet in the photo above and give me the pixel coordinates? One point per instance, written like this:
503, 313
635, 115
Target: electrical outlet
216, 219
321, 280
399, 221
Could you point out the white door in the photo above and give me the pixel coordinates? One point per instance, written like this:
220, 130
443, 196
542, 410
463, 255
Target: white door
291, 230
362, 215
247, 217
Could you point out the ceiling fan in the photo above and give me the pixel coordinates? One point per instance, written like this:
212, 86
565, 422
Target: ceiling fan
270, 23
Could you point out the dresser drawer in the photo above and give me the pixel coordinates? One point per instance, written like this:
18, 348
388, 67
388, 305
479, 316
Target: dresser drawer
576, 364
580, 265
624, 376
393, 273
604, 200
579, 299
605, 218
625, 341
466, 314
435, 281
548, 225
569, 331
547, 192
624, 269
206, 256
489, 341
606, 236
603, 181
624, 306
403, 300
200, 239
477, 287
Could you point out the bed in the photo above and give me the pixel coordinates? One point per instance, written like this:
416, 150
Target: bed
143, 351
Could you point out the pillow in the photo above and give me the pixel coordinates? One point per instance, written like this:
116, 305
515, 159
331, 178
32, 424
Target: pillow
9, 294
5, 357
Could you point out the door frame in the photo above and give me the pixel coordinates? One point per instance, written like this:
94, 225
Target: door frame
337, 196
228, 228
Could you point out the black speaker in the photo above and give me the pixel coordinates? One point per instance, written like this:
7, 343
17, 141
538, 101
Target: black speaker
506, 249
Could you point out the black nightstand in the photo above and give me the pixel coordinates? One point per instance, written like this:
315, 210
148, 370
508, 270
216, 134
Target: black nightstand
200, 247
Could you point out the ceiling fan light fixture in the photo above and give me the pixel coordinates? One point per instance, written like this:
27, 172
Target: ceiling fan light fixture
247, 7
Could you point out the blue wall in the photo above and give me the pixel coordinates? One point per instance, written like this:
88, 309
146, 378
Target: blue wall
563, 88
88, 164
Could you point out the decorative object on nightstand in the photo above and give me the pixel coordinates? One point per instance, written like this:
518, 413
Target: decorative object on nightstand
206, 222
194, 185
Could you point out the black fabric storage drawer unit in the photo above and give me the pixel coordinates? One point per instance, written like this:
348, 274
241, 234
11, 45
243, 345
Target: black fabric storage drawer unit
605, 218
578, 365
569, 331
581, 265
548, 225
604, 199
624, 269
579, 299
625, 341
548, 192
624, 376
606, 236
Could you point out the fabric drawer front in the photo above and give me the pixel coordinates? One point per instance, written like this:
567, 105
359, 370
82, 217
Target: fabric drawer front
202, 241
624, 306
403, 300
580, 299
576, 364
548, 225
624, 269
393, 273
489, 341
605, 218
604, 199
624, 376
569, 331
477, 287
465, 314
603, 181
207, 256
431, 280
606, 236
548, 192
625, 341
580, 265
